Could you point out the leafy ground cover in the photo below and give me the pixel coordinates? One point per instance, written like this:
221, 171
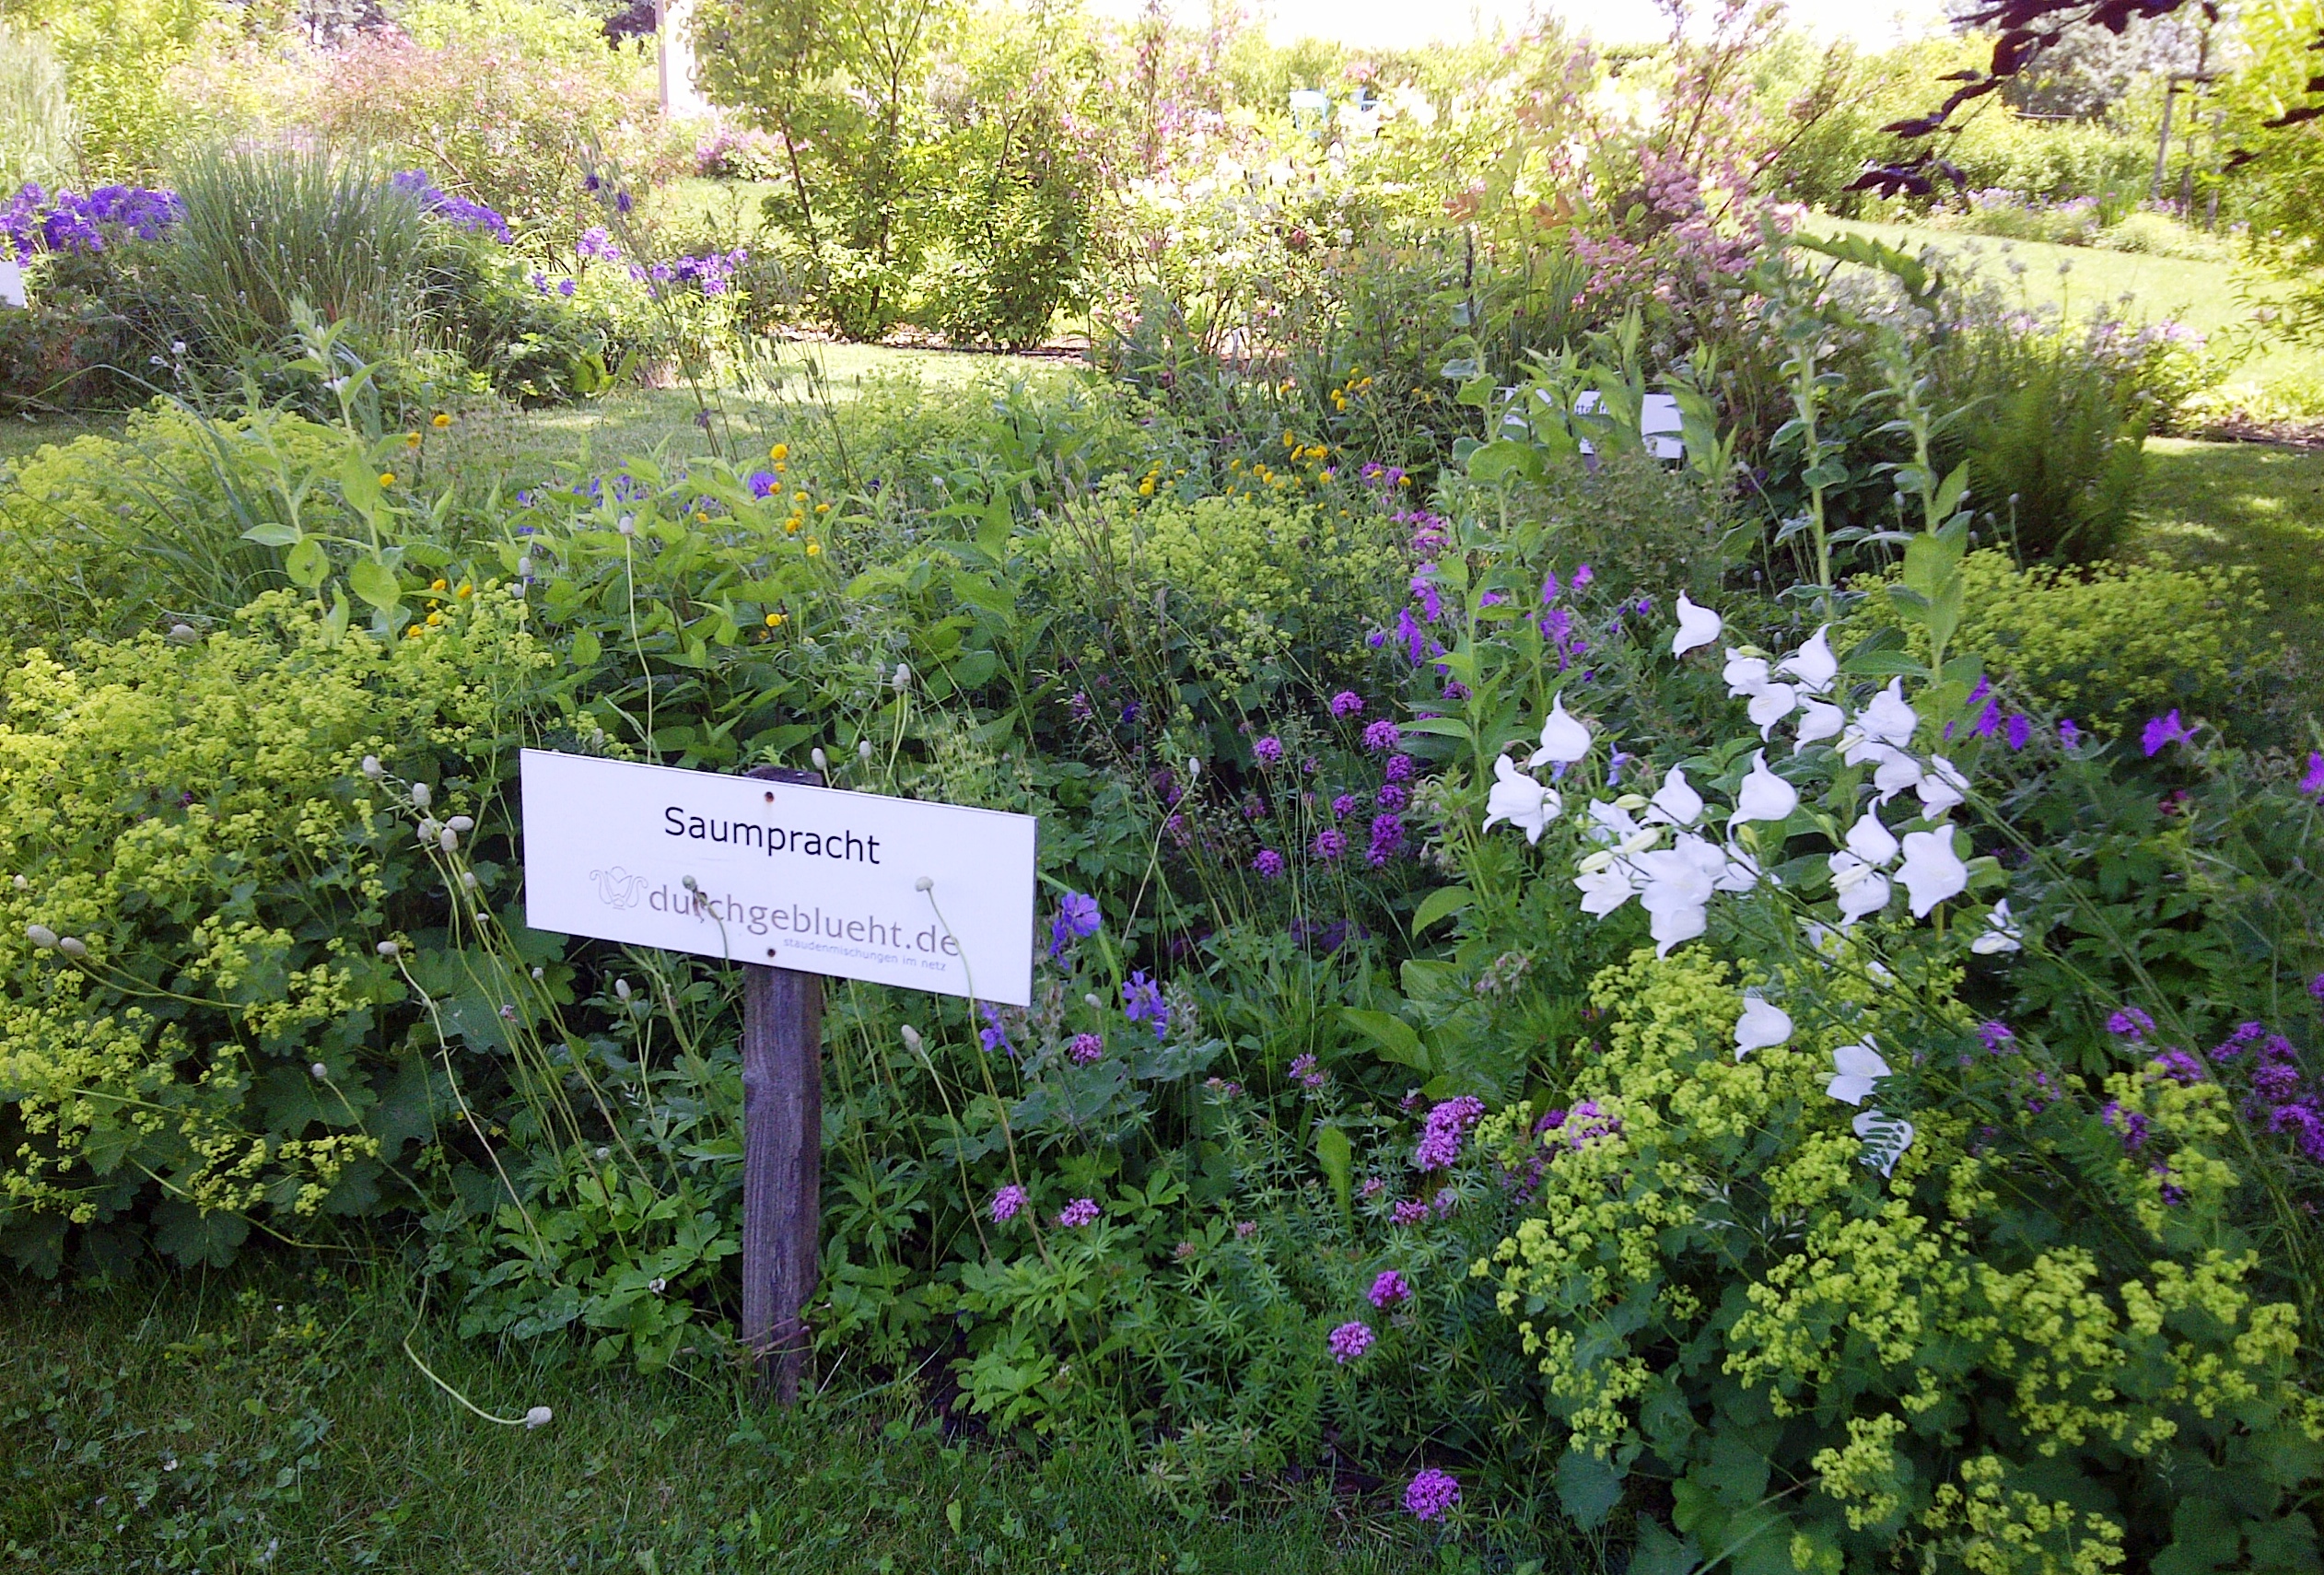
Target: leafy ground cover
273, 1420
2251, 505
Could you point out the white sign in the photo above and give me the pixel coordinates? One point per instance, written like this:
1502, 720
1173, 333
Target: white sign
11, 283
892, 891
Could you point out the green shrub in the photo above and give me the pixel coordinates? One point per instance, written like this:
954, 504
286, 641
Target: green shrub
118, 56
36, 121
229, 1044
2113, 644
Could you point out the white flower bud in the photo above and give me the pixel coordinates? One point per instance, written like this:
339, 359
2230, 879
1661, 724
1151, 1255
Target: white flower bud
1096, 1001
923, 883
429, 827
40, 935
468, 879
449, 840
1193, 769
629, 525
373, 768
604, 1153
656, 1285
539, 975
420, 795
621, 988
911, 1037
900, 680
822, 761
539, 1417
319, 1071
863, 750
525, 567
388, 949
184, 634
73, 946
462, 823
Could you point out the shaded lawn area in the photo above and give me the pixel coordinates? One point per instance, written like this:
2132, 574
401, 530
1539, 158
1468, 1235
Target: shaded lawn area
272, 1420
2254, 505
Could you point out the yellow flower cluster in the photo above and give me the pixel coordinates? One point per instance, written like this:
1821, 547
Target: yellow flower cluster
1995, 1530
1351, 390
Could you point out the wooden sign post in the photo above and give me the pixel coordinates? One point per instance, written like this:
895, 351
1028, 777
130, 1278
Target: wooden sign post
782, 1155
794, 881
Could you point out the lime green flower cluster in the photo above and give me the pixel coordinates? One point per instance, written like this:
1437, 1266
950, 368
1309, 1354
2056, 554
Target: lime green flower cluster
2037, 1328
193, 875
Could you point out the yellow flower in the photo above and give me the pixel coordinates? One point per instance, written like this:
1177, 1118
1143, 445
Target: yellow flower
1146, 487
780, 453
790, 526
439, 585
411, 439
386, 478
465, 590
780, 467
440, 421
798, 498
814, 549
435, 617
412, 633
822, 508
774, 620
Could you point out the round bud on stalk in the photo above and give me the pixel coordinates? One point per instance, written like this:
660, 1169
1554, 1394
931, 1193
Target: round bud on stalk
184, 634
911, 1037
900, 680
629, 525
539, 1417
468, 878
863, 750
420, 795
40, 935
822, 761
388, 949
22, 884
319, 1071
621, 988
373, 768
1097, 1002
73, 946
449, 840
462, 823
923, 883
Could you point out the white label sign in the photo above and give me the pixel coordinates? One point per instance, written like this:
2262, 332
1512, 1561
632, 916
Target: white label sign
892, 891
11, 283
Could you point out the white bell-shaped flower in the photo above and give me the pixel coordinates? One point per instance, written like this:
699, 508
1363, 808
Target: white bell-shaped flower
1931, 871
1679, 882
1764, 796
1697, 626
1942, 786
1606, 889
1818, 721
1860, 888
1871, 842
1855, 1067
1745, 674
1772, 705
1564, 738
1813, 665
2000, 935
1676, 802
1519, 800
1739, 873
1888, 718
1762, 1026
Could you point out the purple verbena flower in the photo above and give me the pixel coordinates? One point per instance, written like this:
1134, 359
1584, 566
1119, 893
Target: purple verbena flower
1007, 1202
1330, 842
1349, 1341
1080, 1212
2178, 1067
1388, 1290
2314, 781
1268, 864
1411, 1211
1382, 736
1448, 1123
2068, 734
1430, 1494
1085, 1049
1398, 769
1344, 806
1268, 750
1996, 1035
1347, 704
1387, 841
2131, 1022
1392, 797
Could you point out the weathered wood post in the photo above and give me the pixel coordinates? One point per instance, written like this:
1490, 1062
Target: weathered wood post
782, 1152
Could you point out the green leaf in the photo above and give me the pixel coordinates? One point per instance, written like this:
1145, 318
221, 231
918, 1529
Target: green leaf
586, 648
1396, 1039
1440, 903
375, 583
271, 535
1336, 1155
1658, 1552
1588, 1485
306, 564
196, 1239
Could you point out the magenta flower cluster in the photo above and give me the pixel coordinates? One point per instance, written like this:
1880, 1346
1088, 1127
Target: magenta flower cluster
1080, 1212
1084, 1049
1388, 1290
1007, 1203
1349, 1341
1432, 1493
1443, 1133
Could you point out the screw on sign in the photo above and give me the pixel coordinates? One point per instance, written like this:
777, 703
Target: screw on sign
794, 881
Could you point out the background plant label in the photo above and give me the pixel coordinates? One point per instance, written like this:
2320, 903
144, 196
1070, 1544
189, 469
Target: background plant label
854, 885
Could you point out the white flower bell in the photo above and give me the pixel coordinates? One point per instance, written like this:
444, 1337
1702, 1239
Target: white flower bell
1697, 626
1942, 786
1564, 738
1764, 796
1812, 664
1604, 889
1677, 804
2001, 933
1890, 719
1855, 1067
1931, 871
1762, 1026
1772, 705
1818, 721
1746, 674
1519, 800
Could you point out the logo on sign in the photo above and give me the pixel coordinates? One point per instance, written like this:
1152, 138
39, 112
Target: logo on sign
617, 888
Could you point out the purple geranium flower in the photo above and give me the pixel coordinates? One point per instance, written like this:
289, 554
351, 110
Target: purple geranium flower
1142, 1002
2165, 730
1077, 919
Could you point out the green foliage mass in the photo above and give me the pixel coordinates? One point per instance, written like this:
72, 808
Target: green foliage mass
35, 120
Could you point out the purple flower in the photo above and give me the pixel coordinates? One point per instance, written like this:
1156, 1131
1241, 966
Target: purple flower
1440, 1135
1344, 806
564, 288
1411, 1211
1347, 704
1270, 864
1330, 844
1077, 919
1981, 692
1382, 736
994, 1035
2131, 1124
1268, 750
2021, 731
1388, 1290
2314, 781
763, 483
1586, 1121
1430, 1494
1007, 1202
2131, 1022
1581, 576
1398, 769
1085, 1049
1142, 1002
1349, 1341
2068, 734
1393, 798
2246, 1034
2305, 1122
1080, 1212
1413, 633
2164, 731
1387, 841
2316, 986
1549, 587
1305, 1072
1996, 1036
1989, 720
1432, 602
2178, 1067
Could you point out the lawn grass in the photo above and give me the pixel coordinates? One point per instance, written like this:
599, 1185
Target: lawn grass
2251, 505
272, 1420
2209, 297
